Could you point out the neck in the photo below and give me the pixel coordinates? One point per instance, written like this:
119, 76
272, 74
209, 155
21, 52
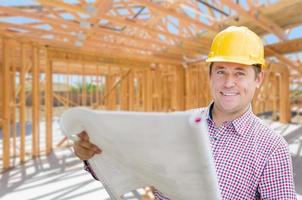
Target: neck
219, 116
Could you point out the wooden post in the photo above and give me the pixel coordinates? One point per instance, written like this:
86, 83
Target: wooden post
131, 90
35, 103
22, 104
5, 103
140, 89
274, 97
125, 92
187, 89
84, 92
91, 90
147, 90
285, 113
67, 76
110, 92
48, 105
158, 82
180, 88
13, 102
97, 89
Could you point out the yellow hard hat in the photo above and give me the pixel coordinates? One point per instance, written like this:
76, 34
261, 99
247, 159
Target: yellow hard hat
238, 45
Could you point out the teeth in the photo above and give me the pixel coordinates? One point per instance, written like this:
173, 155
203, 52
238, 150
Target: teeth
229, 94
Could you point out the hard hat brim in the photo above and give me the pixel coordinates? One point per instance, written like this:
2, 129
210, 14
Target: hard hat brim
238, 60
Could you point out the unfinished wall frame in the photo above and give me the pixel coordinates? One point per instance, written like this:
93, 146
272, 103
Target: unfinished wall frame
134, 86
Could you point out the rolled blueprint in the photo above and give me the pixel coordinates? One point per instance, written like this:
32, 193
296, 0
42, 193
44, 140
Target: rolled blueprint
169, 151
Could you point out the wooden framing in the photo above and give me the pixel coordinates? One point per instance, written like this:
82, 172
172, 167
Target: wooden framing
134, 55
274, 93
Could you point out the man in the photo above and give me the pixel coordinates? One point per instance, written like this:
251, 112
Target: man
252, 162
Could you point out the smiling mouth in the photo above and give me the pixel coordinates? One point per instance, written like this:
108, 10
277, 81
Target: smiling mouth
229, 93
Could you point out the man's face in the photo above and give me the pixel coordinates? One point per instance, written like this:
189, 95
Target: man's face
233, 86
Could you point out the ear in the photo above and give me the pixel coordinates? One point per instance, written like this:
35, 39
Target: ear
259, 79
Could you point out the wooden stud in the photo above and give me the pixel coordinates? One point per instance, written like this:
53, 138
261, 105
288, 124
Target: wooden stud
5, 103
109, 96
35, 103
147, 89
125, 92
22, 103
13, 102
84, 91
48, 105
130, 80
97, 90
179, 103
284, 104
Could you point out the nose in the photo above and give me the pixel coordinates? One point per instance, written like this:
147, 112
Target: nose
230, 81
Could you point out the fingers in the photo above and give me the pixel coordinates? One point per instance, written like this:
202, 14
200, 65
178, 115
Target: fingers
148, 193
85, 143
84, 136
83, 154
84, 149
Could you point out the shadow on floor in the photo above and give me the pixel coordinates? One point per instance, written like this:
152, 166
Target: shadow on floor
28, 129
55, 177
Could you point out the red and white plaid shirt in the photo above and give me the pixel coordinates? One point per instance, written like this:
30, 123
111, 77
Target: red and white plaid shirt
252, 161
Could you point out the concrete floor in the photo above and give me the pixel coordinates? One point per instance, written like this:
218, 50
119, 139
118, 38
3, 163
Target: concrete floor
60, 176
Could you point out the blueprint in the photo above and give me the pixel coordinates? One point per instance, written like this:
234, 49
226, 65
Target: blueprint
169, 151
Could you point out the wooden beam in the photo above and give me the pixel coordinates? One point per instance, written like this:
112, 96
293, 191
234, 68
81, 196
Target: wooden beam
180, 88
106, 57
5, 103
285, 60
258, 18
101, 7
125, 91
147, 90
35, 103
284, 99
180, 16
269, 24
13, 102
38, 31
22, 103
116, 19
93, 41
110, 88
63, 5
101, 32
84, 86
285, 47
131, 91
39, 16
97, 90
48, 105
109, 97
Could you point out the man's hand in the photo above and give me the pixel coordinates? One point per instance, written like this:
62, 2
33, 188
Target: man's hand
84, 149
149, 193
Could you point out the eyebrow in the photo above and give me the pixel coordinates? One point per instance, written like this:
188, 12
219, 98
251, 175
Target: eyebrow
237, 68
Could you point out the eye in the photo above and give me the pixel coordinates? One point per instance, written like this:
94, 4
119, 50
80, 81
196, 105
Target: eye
240, 73
219, 72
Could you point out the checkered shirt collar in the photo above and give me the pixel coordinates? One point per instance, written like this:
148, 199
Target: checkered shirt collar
239, 124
